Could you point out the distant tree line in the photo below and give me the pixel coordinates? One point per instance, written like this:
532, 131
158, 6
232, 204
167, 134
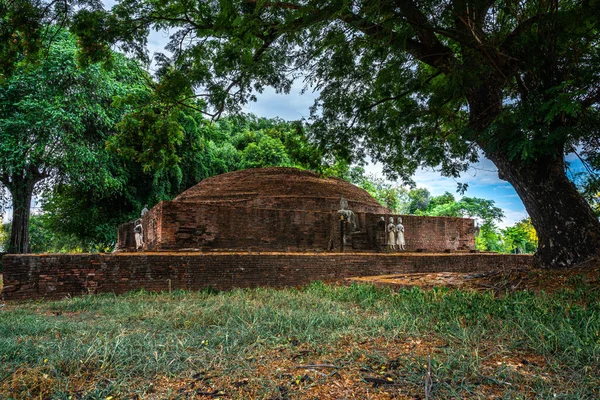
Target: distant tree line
519, 238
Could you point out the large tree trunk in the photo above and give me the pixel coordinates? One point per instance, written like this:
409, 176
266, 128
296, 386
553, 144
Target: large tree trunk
568, 230
21, 192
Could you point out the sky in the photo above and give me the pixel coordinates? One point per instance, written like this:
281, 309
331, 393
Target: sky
482, 177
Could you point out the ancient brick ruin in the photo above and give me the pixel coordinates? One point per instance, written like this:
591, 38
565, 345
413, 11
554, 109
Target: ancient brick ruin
58, 275
264, 227
285, 209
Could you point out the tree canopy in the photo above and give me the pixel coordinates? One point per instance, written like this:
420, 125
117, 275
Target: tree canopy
409, 83
521, 237
84, 218
55, 119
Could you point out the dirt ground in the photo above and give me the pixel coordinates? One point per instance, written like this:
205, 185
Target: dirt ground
499, 281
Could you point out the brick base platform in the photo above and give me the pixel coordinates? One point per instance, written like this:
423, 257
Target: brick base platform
55, 276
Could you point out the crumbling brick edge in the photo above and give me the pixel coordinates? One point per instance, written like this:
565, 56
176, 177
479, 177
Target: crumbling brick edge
55, 276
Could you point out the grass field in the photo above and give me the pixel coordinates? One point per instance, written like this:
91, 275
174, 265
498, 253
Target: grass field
317, 342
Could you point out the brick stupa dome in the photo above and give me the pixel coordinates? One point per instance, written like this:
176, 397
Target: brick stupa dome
280, 188
283, 210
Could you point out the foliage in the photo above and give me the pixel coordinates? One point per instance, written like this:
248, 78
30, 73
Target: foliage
22, 26
419, 200
387, 194
381, 69
410, 85
489, 239
588, 184
521, 237
167, 345
55, 120
44, 239
4, 235
472, 207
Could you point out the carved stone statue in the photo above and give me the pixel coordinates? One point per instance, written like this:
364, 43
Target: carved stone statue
145, 209
138, 230
381, 232
391, 234
347, 215
343, 204
400, 235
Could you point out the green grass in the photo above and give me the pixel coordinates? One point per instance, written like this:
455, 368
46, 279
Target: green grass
125, 346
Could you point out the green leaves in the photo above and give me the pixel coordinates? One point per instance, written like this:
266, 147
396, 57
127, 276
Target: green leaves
55, 120
20, 32
521, 236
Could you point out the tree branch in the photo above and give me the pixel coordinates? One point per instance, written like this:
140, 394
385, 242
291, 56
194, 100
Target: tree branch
438, 56
405, 93
278, 4
591, 99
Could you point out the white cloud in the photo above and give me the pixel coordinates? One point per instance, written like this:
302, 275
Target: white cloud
512, 217
291, 107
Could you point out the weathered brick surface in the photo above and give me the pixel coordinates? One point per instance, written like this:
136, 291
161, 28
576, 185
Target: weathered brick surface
57, 276
280, 188
283, 209
435, 233
180, 225
126, 238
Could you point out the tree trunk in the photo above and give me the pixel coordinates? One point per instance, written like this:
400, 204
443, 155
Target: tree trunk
21, 192
567, 229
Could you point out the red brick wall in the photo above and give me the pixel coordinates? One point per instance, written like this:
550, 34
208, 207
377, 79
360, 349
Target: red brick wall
434, 233
198, 226
57, 276
180, 225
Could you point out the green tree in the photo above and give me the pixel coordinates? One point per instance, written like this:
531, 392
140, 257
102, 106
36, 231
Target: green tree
273, 142
386, 193
485, 213
588, 184
438, 201
521, 236
489, 239
25, 30
55, 119
419, 200
266, 152
4, 231
472, 207
411, 83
